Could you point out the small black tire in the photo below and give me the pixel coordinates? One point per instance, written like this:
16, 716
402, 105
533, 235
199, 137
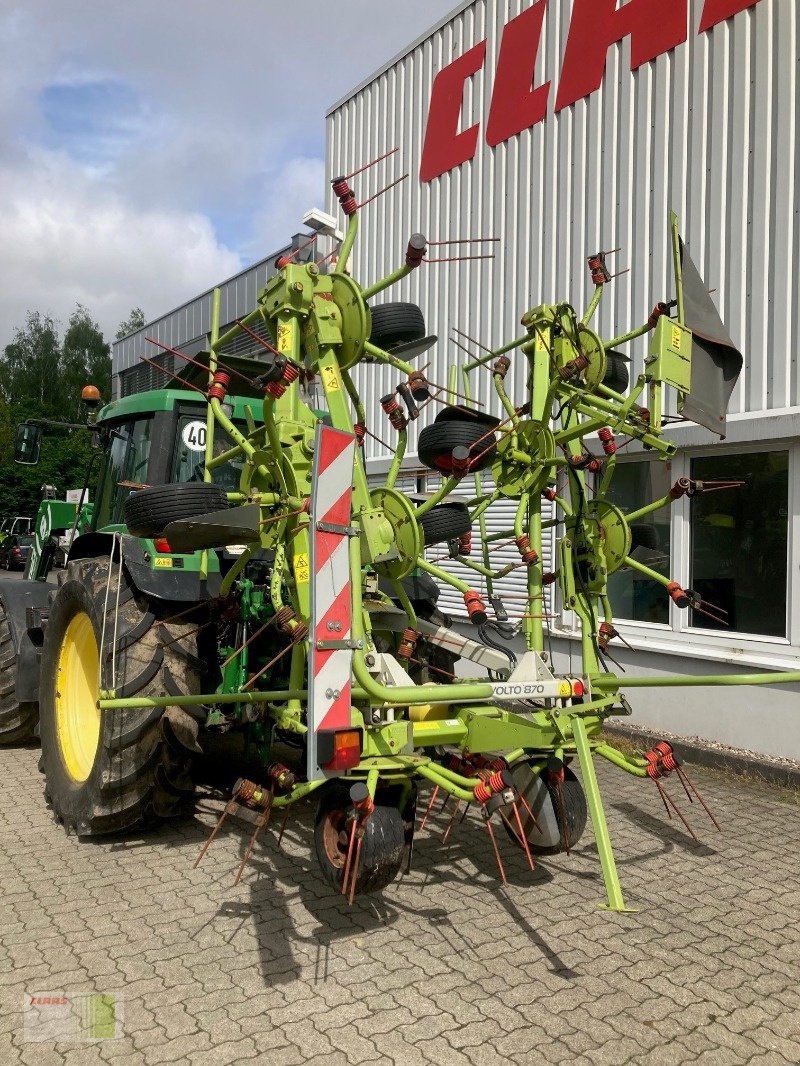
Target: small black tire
616, 376
541, 796
644, 535
124, 770
446, 521
437, 441
17, 720
149, 511
396, 323
381, 847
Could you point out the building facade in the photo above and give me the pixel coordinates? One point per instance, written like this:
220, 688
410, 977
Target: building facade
545, 131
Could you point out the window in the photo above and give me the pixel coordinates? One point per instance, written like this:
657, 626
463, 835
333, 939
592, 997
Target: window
739, 542
190, 453
633, 595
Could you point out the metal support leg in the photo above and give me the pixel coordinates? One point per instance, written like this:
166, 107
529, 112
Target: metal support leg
595, 804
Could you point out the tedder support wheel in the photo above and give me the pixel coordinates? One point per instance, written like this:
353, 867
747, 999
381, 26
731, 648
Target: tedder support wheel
110, 770
616, 376
17, 720
381, 847
436, 443
447, 521
396, 323
150, 511
542, 798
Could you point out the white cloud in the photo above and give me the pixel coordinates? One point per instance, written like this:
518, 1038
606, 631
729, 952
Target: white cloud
155, 200
74, 241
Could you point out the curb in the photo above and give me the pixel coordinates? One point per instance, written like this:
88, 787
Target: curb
726, 759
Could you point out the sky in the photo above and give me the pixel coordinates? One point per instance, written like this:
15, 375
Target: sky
149, 150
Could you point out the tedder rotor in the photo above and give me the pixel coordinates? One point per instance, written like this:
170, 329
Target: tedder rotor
321, 633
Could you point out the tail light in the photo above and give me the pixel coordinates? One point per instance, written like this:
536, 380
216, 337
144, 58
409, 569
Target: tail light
339, 749
161, 545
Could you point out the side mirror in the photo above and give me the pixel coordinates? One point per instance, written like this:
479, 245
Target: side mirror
27, 444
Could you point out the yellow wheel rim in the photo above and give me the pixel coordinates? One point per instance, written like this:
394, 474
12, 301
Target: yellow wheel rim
77, 715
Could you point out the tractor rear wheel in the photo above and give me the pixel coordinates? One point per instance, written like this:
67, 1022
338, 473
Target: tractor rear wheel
111, 770
381, 847
560, 824
17, 720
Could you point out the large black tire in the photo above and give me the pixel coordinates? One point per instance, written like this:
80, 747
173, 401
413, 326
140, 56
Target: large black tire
135, 770
17, 720
541, 795
381, 847
436, 443
445, 522
150, 511
616, 376
396, 323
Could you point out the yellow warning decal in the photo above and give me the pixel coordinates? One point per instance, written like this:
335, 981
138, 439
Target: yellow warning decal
302, 571
565, 689
330, 379
285, 330
676, 338
451, 722
162, 563
541, 343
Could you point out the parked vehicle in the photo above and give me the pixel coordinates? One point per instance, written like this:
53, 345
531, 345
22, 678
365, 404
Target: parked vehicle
14, 551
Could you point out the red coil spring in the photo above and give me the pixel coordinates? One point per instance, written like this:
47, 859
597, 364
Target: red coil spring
579, 363
474, 604
282, 261
418, 384
415, 250
668, 760
349, 205
605, 634
549, 494
395, 414
282, 776
341, 188
360, 431
607, 440
291, 373
408, 642
482, 792
501, 365
644, 415
659, 310
548, 579
364, 807
496, 782
283, 617
218, 389
299, 633
677, 594
653, 764
252, 795
529, 555
598, 270
680, 488
465, 543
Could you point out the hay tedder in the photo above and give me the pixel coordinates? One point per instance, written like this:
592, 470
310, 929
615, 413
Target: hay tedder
322, 632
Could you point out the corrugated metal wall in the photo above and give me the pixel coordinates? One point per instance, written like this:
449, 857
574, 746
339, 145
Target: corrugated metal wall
709, 128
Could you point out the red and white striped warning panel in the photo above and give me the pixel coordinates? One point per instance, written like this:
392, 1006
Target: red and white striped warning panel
331, 654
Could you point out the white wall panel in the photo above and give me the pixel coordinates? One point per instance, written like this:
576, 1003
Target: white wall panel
709, 128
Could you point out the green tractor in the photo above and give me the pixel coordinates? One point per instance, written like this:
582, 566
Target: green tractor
317, 632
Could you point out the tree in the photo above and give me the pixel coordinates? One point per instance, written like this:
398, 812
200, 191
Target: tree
86, 360
29, 369
134, 321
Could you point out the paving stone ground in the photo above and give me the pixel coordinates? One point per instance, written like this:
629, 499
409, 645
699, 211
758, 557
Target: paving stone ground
445, 967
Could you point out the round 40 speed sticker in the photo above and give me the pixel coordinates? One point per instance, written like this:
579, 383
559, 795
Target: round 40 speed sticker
194, 436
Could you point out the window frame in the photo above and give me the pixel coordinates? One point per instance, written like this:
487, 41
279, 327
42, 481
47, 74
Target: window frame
680, 638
